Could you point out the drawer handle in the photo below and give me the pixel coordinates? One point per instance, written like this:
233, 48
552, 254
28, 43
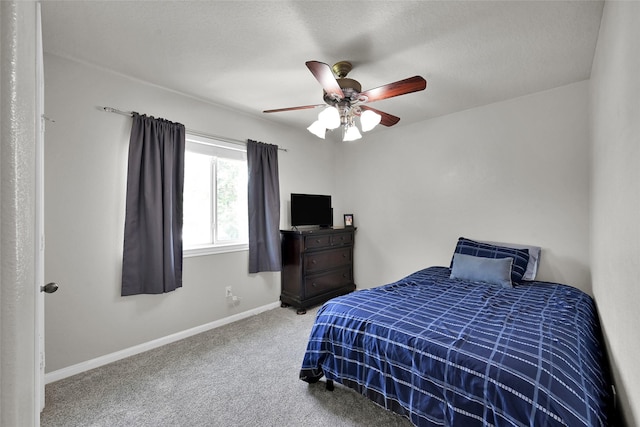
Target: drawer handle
314, 284
317, 240
344, 255
313, 261
344, 275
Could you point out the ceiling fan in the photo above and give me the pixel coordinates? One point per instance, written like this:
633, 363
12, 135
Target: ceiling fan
346, 100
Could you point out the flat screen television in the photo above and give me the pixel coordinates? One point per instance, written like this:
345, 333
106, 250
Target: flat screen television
311, 209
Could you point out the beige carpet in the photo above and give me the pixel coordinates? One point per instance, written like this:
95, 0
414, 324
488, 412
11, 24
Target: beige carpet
242, 374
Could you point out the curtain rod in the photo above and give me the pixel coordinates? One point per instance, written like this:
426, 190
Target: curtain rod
191, 131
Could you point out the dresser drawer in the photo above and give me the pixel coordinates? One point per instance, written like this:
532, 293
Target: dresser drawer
317, 242
342, 239
318, 261
319, 284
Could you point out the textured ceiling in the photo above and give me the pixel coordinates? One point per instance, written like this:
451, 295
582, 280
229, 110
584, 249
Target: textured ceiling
250, 55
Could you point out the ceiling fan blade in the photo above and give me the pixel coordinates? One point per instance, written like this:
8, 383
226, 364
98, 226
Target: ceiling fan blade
401, 87
303, 107
387, 119
322, 72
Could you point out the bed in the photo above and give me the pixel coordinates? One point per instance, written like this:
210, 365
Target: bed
441, 347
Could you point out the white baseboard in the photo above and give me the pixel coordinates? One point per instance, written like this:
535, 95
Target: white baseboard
131, 351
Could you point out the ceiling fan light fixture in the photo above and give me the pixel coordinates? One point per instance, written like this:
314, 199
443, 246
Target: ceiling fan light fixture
343, 98
318, 129
369, 119
330, 118
351, 133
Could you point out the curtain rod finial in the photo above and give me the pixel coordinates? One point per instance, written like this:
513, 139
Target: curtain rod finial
115, 110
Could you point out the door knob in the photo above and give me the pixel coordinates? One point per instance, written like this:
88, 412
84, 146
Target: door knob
49, 288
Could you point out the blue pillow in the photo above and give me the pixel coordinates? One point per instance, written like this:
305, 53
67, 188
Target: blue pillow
534, 257
495, 271
520, 256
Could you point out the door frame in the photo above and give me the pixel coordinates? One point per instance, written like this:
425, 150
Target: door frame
18, 405
39, 220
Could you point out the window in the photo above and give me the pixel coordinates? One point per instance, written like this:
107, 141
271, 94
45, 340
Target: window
215, 217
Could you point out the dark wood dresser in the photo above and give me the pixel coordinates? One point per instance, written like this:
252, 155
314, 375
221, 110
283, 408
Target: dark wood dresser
317, 265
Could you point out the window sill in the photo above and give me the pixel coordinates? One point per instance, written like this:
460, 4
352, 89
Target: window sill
213, 250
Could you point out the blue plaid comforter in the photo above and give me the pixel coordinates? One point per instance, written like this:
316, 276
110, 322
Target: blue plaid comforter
443, 351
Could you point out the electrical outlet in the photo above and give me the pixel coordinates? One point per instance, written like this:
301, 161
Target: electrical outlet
227, 292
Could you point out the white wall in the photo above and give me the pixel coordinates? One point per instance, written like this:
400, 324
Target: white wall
615, 229
85, 175
514, 171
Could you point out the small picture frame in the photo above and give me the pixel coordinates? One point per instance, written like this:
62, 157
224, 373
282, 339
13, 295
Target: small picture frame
348, 220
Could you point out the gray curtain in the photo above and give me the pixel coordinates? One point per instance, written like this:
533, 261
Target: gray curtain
152, 258
264, 207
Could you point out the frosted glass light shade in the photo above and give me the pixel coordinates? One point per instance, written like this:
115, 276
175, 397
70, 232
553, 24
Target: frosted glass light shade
330, 118
317, 129
369, 119
351, 133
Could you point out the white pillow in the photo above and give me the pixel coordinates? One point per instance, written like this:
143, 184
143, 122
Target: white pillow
534, 257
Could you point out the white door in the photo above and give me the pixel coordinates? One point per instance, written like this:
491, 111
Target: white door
39, 226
